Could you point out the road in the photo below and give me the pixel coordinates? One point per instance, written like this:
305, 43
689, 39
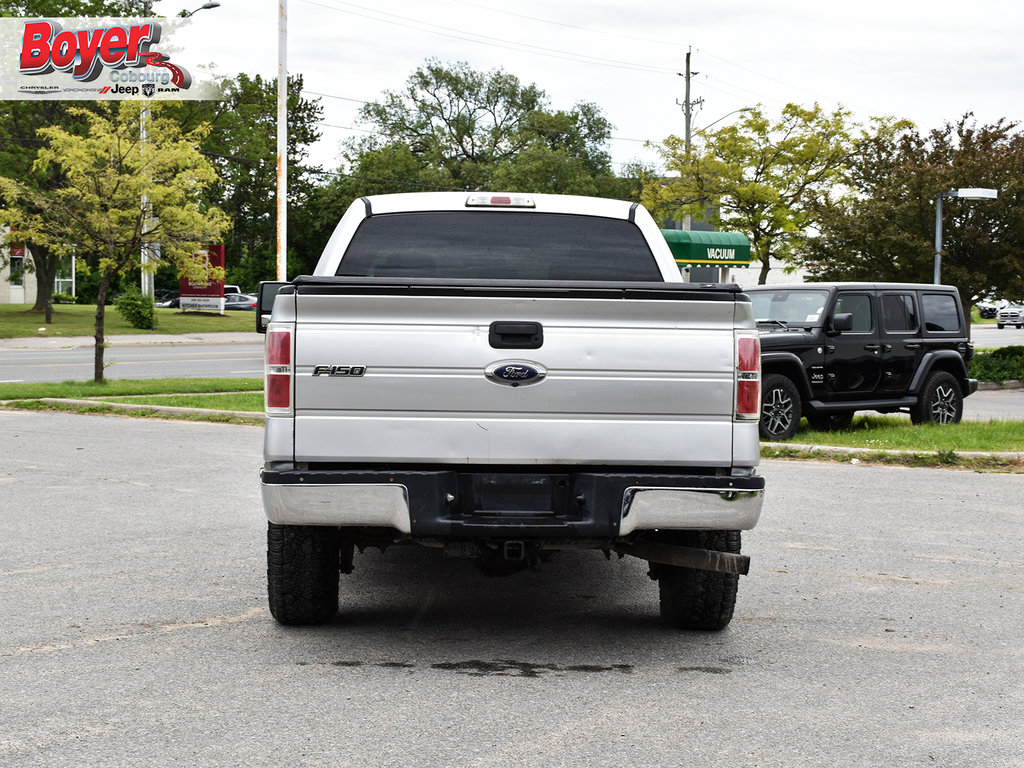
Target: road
880, 626
987, 336
54, 360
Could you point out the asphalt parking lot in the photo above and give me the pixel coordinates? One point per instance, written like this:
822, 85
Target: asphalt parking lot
879, 626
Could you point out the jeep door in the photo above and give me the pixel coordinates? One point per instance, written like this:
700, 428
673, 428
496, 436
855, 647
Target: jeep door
902, 345
853, 365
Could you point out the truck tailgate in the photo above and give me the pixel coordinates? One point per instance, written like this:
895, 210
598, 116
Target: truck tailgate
628, 380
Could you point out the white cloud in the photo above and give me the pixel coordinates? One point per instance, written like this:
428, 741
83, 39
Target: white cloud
927, 61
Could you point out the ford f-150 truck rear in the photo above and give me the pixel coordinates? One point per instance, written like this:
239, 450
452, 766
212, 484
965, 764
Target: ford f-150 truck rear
503, 376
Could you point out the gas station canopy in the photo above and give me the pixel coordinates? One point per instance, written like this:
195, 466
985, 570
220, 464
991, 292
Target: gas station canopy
691, 248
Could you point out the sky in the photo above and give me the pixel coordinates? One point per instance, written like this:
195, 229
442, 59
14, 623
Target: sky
929, 61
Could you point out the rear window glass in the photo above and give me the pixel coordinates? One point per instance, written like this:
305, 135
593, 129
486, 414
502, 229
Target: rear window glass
940, 312
503, 245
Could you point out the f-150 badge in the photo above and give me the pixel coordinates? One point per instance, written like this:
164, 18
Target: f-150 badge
515, 373
339, 370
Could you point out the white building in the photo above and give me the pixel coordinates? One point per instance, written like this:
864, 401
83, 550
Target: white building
17, 285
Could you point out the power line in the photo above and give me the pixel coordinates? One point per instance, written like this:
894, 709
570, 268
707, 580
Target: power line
491, 41
673, 44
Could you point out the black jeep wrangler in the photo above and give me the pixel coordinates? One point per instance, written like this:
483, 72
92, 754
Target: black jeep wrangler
830, 349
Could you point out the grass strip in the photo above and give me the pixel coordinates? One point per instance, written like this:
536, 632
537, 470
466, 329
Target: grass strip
18, 321
122, 387
896, 433
932, 460
222, 401
145, 412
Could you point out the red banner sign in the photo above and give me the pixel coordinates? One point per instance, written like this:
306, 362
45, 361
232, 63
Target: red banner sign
206, 296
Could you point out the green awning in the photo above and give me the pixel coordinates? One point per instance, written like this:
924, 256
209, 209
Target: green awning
708, 249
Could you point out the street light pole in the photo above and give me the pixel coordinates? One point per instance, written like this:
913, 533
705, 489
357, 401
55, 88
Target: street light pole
966, 193
937, 274
727, 114
282, 141
146, 277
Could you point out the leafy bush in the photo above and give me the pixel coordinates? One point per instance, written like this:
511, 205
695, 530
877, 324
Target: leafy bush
999, 364
62, 298
137, 310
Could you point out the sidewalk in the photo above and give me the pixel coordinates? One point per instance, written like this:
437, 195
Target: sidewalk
75, 342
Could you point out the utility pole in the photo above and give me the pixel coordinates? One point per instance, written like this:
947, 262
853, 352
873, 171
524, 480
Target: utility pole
688, 106
147, 278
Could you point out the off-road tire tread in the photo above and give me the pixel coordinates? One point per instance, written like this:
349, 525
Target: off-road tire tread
921, 412
694, 599
302, 573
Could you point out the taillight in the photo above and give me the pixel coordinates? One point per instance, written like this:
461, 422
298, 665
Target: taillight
278, 350
748, 376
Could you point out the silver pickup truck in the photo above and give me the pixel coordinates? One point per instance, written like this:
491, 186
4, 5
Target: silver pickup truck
502, 377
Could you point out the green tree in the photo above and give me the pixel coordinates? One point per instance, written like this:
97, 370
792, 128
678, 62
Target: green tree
67, 8
457, 118
242, 146
96, 208
759, 177
19, 121
453, 127
883, 228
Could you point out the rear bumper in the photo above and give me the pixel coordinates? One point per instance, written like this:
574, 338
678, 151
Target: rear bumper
490, 503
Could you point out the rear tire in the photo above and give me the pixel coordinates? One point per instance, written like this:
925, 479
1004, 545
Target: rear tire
780, 408
941, 401
302, 573
695, 599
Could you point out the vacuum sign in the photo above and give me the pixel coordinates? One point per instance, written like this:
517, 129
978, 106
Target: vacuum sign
708, 249
72, 59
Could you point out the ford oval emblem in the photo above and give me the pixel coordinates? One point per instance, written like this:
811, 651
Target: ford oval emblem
515, 373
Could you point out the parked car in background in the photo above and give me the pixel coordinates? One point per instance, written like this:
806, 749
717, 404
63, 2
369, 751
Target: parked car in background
1011, 314
986, 309
831, 349
240, 301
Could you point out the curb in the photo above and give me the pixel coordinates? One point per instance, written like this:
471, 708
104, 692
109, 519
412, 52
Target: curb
78, 342
993, 385
850, 451
169, 410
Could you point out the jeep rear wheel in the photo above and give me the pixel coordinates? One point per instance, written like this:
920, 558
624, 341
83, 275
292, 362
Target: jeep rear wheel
780, 408
941, 401
695, 599
302, 573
